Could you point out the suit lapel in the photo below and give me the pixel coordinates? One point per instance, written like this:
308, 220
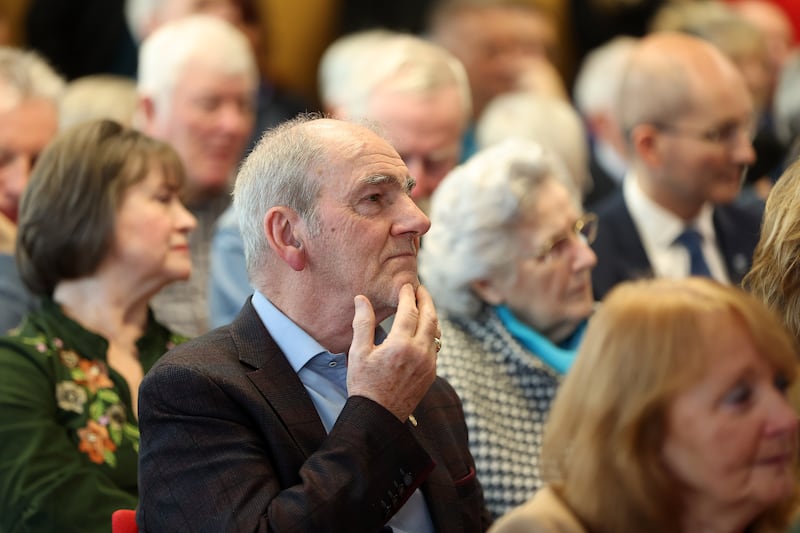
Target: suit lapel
277, 381
735, 244
629, 241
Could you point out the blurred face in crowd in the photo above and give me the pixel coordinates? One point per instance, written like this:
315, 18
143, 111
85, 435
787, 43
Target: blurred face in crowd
497, 45
552, 288
152, 231
369, 227
755, 70
176, 9
777, 30
702, 156
731, 437
426, 129
208, 122
25, 130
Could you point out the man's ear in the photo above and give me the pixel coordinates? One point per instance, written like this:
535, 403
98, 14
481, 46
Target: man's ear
646, 140
145, 118
488, 291
285, 230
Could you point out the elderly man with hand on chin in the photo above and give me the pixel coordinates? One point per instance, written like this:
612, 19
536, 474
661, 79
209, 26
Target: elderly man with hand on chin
415, 91
303, 414
197, 88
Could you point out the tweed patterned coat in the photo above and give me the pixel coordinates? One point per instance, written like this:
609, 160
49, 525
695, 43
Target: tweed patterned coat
506, 392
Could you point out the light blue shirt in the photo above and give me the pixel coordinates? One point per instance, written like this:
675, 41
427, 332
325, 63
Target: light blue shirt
324, 375
228, 285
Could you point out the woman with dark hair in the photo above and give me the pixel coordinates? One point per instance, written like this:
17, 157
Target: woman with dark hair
101, 230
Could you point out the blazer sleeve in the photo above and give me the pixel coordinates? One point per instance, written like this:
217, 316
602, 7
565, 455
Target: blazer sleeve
214, 457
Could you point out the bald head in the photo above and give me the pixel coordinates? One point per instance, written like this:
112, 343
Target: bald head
688, 116
671, 75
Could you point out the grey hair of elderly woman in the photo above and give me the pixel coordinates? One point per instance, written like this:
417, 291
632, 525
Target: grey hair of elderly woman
474, 212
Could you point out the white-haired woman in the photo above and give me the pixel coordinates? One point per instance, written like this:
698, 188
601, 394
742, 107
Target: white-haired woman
508, 263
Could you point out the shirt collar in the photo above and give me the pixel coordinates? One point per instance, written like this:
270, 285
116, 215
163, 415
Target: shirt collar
298, 346
658, 225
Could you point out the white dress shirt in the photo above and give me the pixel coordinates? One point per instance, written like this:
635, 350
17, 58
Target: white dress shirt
658, 229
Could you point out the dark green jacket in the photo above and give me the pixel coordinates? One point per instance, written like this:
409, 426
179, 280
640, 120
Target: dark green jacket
69, 441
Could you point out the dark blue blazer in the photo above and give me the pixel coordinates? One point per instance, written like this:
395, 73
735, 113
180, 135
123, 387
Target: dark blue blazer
603, 185
621, 255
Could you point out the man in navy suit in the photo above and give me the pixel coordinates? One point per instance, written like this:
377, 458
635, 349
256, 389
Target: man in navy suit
688, 119
303, 414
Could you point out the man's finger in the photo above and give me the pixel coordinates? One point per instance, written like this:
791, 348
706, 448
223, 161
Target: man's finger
363, 326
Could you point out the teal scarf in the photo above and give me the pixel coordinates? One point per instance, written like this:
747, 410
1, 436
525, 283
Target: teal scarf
559, 357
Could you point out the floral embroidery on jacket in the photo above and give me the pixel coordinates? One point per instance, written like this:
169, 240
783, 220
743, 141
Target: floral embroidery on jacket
96, 442
91, 393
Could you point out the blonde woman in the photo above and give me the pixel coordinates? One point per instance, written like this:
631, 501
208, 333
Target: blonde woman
673, 419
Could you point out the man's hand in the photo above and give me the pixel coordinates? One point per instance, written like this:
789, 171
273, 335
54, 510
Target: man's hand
399, 372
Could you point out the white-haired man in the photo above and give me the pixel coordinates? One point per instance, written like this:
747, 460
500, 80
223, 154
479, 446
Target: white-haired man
197, 85
596, 98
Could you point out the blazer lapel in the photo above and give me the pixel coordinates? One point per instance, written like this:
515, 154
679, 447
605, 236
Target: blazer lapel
735, 242
277, 381
630, 243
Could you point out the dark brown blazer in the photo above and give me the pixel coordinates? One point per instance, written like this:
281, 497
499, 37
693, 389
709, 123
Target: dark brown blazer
231, 441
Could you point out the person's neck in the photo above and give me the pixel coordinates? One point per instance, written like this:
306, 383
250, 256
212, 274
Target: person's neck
105, 307
704, 517
560, 332
329, 323
680, 207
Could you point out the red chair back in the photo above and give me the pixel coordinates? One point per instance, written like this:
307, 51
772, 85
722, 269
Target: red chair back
124, 521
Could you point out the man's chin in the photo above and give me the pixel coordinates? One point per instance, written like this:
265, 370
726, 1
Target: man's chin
393, 298
413, 279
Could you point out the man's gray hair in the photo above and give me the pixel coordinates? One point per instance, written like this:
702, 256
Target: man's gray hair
204, 38
25, 74
278, 173
600, 74
358, 64
474, 213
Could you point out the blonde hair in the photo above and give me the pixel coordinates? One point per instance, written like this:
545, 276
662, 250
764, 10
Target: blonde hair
649, 341
775, 275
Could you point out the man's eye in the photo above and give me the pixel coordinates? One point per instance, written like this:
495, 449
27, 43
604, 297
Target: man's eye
374, 198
